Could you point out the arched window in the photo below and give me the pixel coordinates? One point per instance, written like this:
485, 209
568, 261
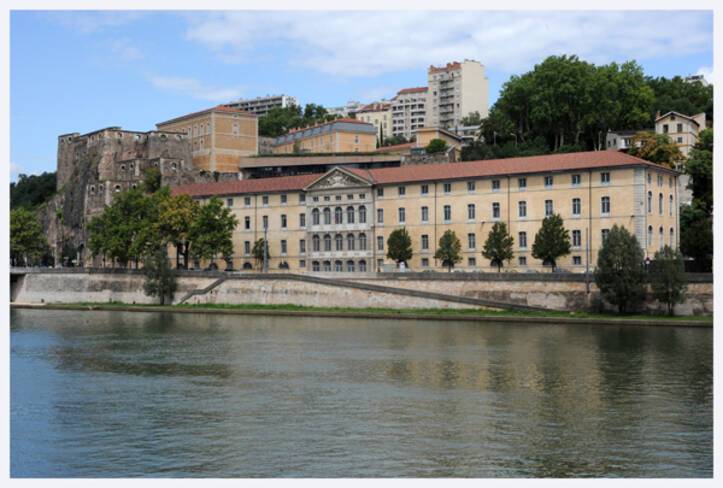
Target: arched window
650, 202
672, 238
362, 266
339, 242
174, 166
670, 205
327, 216
650, 235
315, 217
338, 215
349, 215
131, 166
315, 241
327, 242
350, 242
101, 189
123, 167
315, 266
92, 190
660, 203
338, 266
350, 266
117, 188
362, 217
661, 238
362, 242
327, 266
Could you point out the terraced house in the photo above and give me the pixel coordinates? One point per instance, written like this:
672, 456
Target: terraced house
339, 221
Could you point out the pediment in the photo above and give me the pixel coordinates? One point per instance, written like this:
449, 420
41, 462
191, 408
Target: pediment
338, 178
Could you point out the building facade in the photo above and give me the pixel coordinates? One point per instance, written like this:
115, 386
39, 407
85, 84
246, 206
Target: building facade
682, 129
348, 110
337, 136
260, 106
340, 221
455, 91
409, 109
219, 136
378, 114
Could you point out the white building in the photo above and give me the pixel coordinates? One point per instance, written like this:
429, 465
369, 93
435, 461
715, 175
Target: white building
348, 110
409, 109
261, 105
455, 91
379, 114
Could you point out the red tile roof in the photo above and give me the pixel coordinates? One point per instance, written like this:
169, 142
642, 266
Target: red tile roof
395, 147
434, 172
217, 108
450, 66
418, 89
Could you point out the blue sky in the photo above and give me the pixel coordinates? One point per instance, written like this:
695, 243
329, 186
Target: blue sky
80, 71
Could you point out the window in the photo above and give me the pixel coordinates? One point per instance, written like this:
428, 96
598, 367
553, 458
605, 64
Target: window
576, 238
425, 262
362, 196
522, 183
402, 215
302, 220
229, 202
470, 211
302, 246
265, 200
265, 221
327, 266
380, 215
327, 216
548, 208
315, 217
679, 128
339, 242
327, 242
247, 247
447, 213
605, 205
670, 205
283, 199
471, 241
661, 240
338, 215
660, 203
425, 242
650, 202
576, 207
302, 198
495, 210
672, 238
576, 260
316, 243
650, 235
522, 239
338, 266
362, 214
680, 140
665, 128
471, 261
670, 182
283, 221
315, 265
283, 246
425, 189
350, 242
302, 264
380, 243
316, 199
605, 233
350, 196
605, 178
380, 191
328, 198
349, 215
448, 188
362, 242
576, 180
402, 190
425, 214
362, 266
660, 180
522, 260
548, 181
522, 209
470, 186
495, 185
247, 223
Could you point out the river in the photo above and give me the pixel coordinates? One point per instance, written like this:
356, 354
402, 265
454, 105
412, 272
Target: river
118, 394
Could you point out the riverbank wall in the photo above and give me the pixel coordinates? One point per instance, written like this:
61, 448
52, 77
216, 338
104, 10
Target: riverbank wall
559, 291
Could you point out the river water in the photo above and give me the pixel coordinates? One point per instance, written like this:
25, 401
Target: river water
101, 394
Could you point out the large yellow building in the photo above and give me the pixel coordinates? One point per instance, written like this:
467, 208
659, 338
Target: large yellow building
340, 220
219, 136
337, 136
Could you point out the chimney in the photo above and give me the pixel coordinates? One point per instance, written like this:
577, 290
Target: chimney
657, 114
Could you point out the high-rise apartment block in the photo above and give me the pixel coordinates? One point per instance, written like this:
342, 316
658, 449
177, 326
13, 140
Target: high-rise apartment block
409, 111
261, 105
455, 91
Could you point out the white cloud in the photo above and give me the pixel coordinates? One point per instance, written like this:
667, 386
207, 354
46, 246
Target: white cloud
196, 89
707, 72
369, 43
125, 50
88, 22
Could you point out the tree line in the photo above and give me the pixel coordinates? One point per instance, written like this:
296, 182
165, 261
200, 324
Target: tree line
280, 120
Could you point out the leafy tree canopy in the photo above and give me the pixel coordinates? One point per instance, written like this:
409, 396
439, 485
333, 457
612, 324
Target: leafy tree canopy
552, 241
449, 250
620, 272
30, 191
498, 246
399, 246
700, 168
211, 231
667, 278
27, 239
436, 146
656, 148
278, 121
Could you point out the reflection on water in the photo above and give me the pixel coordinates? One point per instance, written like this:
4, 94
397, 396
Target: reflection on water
101, 394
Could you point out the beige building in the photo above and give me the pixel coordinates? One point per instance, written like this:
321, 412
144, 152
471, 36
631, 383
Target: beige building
378, 114
682, 129
337, 136
455, 91
340, 221
409, 109
219, 136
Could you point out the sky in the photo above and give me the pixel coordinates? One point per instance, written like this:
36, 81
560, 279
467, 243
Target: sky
76, 71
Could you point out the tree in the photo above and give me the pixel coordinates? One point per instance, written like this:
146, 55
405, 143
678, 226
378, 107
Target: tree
448, 250
175, 218
667, 278
696, 235
399, 246
30, 191
436, 146
472, 118
394, 140
27, 239
152, 179
656, 148
258, 252
211, 231
676, 94
552, 241
498, 246
160, 278
620, 272
700, 169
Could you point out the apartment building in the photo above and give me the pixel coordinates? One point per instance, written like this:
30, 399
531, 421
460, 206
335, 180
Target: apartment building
378, 114
682, 129
340, 221
348, 110
219, 136
336, 136
260, 106
409, 111
455, 91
